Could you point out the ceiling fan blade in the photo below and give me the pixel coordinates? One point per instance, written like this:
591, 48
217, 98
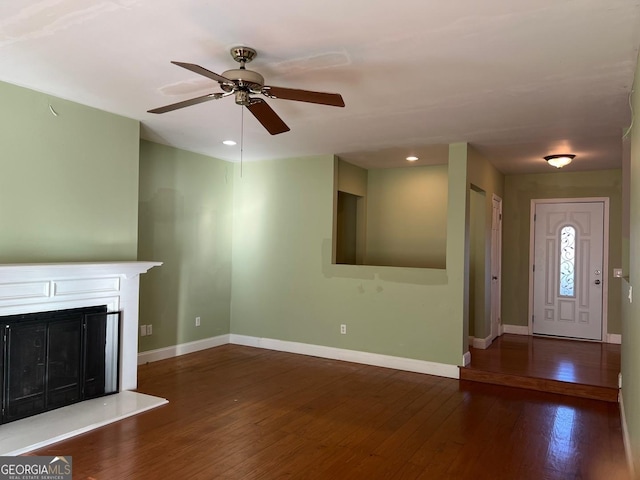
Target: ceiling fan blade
332, 99
203, 71
187, 103
267, 116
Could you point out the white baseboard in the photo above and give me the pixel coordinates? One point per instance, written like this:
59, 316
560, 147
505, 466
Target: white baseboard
614, 338
625, 437
482, 343
466, 358
515, 329
376, 359
181, 349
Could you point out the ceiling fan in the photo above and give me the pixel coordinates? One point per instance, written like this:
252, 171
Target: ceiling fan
243, 83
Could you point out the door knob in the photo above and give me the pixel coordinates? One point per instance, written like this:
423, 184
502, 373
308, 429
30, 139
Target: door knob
494, 278
597, 282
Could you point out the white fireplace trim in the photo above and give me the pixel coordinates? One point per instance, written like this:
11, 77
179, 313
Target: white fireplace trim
31, 288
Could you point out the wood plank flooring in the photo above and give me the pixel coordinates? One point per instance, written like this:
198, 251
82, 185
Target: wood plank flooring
243, 413
567, 367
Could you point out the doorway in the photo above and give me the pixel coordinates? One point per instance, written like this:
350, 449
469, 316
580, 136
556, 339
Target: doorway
568, 268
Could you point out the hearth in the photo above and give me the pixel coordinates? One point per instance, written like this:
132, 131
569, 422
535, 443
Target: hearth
47, 287
52, 359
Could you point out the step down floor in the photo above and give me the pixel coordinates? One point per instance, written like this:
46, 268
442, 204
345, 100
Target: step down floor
566, 367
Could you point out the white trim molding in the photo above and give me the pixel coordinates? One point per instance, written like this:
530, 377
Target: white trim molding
625, 437
515, 329
466, 358
482, 343
376, 359
182, 349
614, 338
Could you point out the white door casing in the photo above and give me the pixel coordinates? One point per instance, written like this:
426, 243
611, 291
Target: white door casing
496, 264
569, 268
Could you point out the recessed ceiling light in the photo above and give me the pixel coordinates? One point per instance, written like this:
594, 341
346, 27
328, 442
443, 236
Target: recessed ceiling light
412, 158
229, 142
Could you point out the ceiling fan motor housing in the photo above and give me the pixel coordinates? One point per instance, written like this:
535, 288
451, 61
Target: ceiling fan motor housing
244, 80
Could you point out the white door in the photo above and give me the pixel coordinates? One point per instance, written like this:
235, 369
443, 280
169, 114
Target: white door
496, 255
568, 266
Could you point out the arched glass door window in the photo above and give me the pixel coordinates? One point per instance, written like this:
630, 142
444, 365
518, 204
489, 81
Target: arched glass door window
567, 261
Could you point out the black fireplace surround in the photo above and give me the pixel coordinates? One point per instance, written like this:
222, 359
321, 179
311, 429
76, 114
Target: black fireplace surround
52, 359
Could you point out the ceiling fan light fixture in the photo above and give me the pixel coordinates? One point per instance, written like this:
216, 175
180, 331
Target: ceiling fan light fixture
560, 160
411, 158
230, 143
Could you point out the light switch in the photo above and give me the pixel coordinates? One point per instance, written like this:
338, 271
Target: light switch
617, 272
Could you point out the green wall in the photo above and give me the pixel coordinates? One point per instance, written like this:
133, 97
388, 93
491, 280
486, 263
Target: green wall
407, 217
285, 286
68, 183
631, 311
519, 191
185, 222
351, 178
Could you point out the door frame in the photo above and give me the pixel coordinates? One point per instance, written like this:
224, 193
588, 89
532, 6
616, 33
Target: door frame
496, 328
605, 256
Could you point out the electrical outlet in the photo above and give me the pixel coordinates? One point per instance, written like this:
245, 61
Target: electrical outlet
343, 329
143, 330
197, 321
149, 329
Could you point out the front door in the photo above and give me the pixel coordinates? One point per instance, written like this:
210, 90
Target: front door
568, 269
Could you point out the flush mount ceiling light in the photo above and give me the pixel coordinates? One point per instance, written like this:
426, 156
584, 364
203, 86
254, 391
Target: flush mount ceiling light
560, 160
412, 158
229, 142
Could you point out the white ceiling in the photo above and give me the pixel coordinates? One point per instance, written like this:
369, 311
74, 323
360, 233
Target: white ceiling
517, 79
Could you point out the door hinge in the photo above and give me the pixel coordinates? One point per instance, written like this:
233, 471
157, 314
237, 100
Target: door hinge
534, 267
535, 216
533, 318
499, 216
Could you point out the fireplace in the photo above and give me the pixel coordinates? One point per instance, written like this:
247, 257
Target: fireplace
37, 288
30, 292
53, 359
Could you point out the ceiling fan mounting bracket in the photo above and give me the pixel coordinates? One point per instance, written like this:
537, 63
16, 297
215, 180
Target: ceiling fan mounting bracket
243, 55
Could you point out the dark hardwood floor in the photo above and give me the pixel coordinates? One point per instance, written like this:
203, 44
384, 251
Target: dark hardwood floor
568, 367
244, 413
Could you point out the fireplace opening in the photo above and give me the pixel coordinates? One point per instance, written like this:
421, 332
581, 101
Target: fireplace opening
52, 359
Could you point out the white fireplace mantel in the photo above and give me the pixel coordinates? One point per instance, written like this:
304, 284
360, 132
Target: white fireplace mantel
30, 288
